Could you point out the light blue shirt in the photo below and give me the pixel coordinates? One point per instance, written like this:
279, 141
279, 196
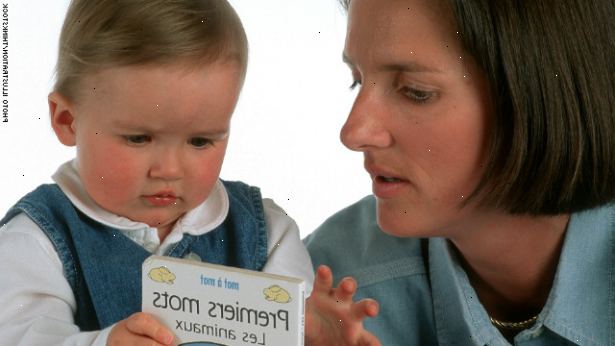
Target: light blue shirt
426, 298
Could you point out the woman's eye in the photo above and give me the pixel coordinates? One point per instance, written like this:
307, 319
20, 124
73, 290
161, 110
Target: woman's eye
138, 139
354, 84
417, 95
199, 142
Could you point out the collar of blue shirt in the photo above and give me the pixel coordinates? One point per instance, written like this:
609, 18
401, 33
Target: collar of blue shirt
581, 304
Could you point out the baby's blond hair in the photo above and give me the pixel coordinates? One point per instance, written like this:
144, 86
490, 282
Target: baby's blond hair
99, 34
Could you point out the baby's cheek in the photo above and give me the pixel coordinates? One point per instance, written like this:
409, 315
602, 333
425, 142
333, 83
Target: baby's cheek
118, 164
110, 174
200, 187
200, 183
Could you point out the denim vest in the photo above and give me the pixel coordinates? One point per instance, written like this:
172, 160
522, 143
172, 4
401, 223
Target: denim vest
103, 267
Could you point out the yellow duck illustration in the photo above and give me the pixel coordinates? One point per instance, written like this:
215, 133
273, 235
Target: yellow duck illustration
162, 274
277, 294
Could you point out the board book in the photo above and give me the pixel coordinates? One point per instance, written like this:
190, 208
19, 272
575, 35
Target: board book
206, 304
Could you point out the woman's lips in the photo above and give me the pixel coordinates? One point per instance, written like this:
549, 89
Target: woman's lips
388, 187
387, 182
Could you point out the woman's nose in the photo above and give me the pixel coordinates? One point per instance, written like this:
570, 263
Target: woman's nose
366, 126
167, 164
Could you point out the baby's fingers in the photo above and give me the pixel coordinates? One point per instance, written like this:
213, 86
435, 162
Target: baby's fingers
346, 289
324, 279
144, 324
365, 308
368, 339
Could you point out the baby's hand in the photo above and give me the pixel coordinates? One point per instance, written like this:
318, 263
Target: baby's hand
332, 318
140, 329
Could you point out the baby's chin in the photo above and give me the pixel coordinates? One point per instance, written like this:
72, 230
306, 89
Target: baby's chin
157, 219
165, 221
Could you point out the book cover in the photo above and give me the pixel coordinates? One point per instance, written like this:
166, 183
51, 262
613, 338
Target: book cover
207, 304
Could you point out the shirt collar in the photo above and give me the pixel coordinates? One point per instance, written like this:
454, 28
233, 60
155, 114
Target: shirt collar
202, 219
581, 304
459, 316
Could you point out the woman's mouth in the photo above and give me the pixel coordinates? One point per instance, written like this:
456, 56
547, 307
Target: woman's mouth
388, 179
389, 187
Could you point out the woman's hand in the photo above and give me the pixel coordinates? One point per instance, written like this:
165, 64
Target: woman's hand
140, 329
332, 318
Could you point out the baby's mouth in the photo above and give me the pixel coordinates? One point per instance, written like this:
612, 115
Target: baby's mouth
161, 200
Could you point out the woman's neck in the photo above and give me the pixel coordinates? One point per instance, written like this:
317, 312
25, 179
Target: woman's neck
511, 262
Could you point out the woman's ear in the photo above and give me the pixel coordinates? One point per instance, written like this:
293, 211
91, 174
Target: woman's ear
61, 111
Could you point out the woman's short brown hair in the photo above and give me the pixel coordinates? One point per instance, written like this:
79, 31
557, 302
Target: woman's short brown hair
106, 33
550, 67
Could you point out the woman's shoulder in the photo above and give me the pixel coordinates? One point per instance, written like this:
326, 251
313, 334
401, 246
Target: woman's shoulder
351, 243
357, 220
600, 218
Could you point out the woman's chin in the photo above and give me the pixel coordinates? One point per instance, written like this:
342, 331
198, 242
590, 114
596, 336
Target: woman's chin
403, 226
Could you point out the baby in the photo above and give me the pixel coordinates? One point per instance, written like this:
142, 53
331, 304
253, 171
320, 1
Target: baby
145, 90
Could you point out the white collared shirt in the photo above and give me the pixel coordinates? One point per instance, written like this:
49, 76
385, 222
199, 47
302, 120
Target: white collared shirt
37, 302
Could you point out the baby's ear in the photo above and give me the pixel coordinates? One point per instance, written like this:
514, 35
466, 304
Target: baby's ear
62, 118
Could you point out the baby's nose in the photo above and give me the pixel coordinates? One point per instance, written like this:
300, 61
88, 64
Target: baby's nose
167, 165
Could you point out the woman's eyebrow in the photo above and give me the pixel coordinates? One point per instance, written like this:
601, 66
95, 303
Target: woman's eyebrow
409, 66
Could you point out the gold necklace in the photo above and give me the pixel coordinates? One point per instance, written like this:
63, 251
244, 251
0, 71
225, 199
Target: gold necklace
513, 325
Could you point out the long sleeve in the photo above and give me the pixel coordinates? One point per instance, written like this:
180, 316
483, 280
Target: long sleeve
287, 254
38, 303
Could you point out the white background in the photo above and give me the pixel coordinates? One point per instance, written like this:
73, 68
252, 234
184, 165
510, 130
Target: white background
285, 131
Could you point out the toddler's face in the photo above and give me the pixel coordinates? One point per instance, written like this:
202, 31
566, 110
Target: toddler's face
151, 139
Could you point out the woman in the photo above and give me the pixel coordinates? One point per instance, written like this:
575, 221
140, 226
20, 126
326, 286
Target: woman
487, 128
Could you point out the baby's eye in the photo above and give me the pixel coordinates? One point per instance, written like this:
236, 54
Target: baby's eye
417, 95
199, 142
138, 139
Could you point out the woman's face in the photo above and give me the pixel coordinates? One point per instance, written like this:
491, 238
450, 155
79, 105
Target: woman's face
421, 116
